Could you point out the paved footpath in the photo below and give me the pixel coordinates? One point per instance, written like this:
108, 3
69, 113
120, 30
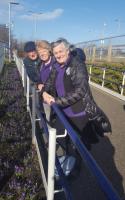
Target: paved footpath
109, 153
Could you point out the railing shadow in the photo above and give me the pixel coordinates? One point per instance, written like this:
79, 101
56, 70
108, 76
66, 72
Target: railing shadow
91, 164
104, 153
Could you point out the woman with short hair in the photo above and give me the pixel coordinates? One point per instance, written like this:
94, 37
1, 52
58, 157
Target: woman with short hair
69, 80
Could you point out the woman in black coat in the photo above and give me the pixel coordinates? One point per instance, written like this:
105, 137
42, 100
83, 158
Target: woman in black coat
68, 87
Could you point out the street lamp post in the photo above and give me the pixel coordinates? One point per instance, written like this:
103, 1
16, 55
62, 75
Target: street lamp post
10, 3
34, 14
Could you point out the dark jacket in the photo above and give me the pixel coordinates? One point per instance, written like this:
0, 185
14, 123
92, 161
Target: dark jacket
77, 92
32, 69
79, 53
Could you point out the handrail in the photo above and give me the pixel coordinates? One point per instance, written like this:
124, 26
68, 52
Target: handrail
100, 39
86, 156
57, 163
120, 87
107, 67
108, 81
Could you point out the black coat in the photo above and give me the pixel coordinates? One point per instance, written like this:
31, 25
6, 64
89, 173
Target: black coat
77, 95
32, 69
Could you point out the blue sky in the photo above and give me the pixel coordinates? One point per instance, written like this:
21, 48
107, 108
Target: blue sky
77, 21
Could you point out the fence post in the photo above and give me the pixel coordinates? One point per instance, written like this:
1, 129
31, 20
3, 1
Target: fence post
22, 73
90, 72
33, 114
51, 163
103, 77
109, 53
27, 93
93, 54
123, 83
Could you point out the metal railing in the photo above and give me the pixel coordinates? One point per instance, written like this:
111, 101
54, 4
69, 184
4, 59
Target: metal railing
36, 115
110, 49
103, 78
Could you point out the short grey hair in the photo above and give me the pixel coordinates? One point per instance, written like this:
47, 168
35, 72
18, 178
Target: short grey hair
59, 41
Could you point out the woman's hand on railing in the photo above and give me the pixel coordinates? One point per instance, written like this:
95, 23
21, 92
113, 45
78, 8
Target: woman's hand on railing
48, 98
40, 86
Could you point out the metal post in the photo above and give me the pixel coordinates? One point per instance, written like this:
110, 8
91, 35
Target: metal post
24, 79
22, 74
123, 84
103, 77
90, 72
51, 164
27, 93
33, 114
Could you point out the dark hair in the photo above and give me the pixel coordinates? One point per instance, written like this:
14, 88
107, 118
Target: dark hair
30, 46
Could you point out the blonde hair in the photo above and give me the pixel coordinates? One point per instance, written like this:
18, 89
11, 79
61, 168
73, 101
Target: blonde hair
43, 44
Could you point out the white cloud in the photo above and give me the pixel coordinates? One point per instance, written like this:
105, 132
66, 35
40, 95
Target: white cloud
45, 16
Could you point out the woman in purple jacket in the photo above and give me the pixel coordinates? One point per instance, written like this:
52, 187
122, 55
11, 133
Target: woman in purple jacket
69, 80
45, 54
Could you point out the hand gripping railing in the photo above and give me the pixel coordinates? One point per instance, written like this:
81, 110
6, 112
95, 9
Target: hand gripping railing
104, 183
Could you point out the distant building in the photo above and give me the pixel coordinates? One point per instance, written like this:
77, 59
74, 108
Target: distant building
4, 33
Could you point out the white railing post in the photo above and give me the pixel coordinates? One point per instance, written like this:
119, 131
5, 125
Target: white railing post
33, 114
103, 77
51, 163
90, 72
27, 93
123, 83
22, 73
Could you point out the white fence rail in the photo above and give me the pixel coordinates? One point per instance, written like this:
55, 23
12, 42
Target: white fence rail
104, 81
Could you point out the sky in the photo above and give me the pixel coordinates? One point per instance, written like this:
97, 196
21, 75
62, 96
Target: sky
75, 20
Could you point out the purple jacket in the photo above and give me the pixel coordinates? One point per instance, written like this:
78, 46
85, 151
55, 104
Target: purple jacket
45, 70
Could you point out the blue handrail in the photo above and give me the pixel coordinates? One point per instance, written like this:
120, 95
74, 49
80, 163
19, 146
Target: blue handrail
104, 183
63, 181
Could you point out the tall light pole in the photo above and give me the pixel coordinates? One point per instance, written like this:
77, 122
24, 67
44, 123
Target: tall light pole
10, 3
35, 15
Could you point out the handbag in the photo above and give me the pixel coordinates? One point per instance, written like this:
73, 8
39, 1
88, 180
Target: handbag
102, 124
